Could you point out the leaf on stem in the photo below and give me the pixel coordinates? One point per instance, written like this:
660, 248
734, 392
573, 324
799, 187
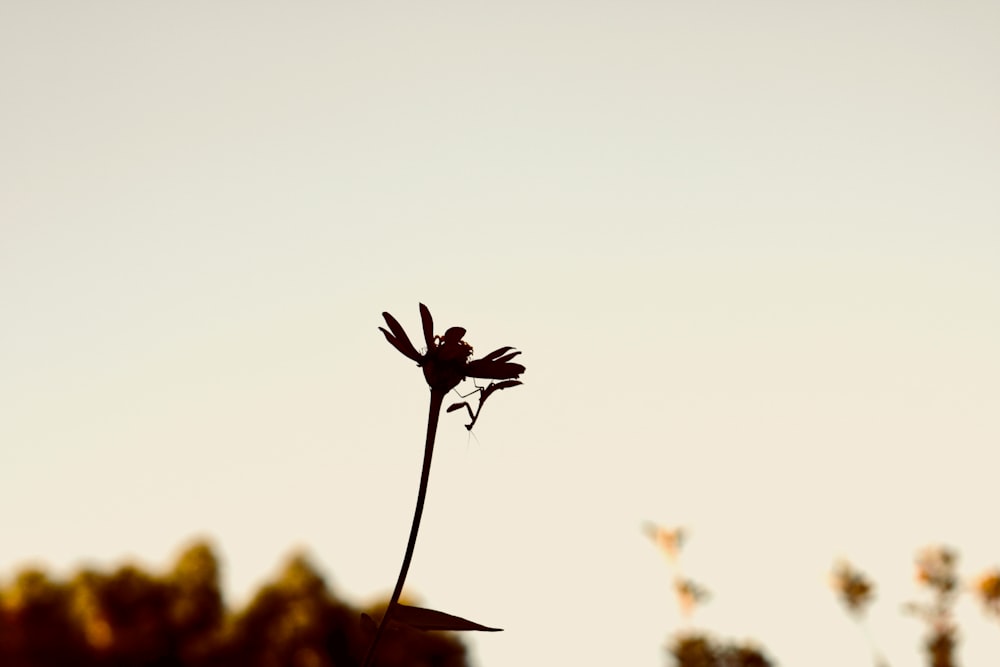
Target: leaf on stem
368, 626
428, 619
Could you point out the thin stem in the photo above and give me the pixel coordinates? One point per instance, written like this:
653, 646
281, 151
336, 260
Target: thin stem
437, 398
879, 659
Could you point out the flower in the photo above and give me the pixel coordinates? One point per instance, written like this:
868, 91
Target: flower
689, 594
936, 568
988, 589
669, 541
854, 588
446, 361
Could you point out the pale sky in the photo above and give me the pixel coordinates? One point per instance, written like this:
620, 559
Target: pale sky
750, 251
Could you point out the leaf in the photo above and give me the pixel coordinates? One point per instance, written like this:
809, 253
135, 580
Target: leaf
428, 619
368, 625
456, 406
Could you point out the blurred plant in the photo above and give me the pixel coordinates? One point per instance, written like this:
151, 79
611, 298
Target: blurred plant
854, 588
692, 648
856, 591
36, 623
987, 588
134, 618
445, 364
937, 571
668, 540
689, 593
700, 650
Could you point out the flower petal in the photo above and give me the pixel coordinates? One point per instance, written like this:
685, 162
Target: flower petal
402, 344
399, 339
493, 370
394, 326
428, 322
454, 334
507, 357
496, 353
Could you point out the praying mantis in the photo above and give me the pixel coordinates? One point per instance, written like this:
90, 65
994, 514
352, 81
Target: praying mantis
484, 393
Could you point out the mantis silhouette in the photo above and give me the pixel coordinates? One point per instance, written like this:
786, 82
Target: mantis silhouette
484, 393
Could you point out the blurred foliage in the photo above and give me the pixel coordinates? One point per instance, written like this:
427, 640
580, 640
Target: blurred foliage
987, 589
853, 587
131, 617
938, 577
696, 648
936, 574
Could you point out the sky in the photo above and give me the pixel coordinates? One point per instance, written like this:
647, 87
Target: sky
750, 252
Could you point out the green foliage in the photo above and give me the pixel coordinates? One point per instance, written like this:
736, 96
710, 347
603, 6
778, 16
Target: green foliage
130, 617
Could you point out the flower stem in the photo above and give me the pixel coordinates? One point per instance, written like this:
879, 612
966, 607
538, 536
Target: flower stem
437, 398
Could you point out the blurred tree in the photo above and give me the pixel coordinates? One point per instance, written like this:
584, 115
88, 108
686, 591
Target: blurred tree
196, 609
36, 627
132, 618
296, 622
699, 650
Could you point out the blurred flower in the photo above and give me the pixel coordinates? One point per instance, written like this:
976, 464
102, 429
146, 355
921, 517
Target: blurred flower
669, 541
987, 587
936, 568
689, 594
446, 361
853, 587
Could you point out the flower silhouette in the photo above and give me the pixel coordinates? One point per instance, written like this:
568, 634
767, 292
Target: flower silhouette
446, 361
445, 364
